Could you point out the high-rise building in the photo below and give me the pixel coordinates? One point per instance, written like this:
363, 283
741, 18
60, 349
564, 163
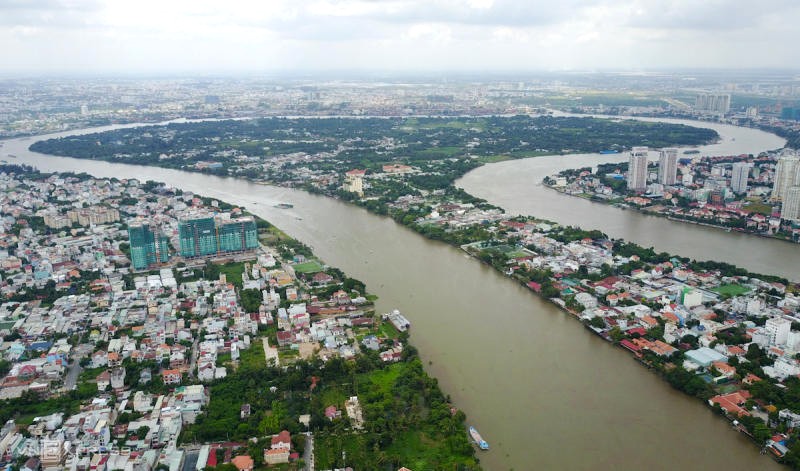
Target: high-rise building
713, 102
668, 166
790, 208
237, 235
148, 247
786, 175
739, 175
202, 237
197, 237
637, 169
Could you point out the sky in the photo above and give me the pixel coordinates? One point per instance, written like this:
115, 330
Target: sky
174, 36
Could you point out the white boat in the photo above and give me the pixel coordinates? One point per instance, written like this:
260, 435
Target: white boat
482, 444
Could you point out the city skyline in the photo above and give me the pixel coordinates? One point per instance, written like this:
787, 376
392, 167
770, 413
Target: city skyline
51, 36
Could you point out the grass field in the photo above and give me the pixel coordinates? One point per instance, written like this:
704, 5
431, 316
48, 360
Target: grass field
233, 272
760, 208
731, 290
311, 266
444, 151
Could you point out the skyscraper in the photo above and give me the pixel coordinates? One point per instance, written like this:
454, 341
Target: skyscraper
207, 236
148, 248
237, 235
637, 169
713, 102
790, 209
668, 166
739, 175
786, 175
197, 237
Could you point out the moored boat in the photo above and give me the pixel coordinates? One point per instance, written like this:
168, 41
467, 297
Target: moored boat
482, 444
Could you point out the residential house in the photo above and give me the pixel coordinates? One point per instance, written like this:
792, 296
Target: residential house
103, 380
243, 463
171, 376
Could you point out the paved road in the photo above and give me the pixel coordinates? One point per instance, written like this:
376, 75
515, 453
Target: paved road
73, 371
308, 454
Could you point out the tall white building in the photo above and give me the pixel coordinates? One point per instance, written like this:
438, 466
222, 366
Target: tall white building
786, 175
637, 169
667, 166
790, 208
741, 170
713, 102
777, 330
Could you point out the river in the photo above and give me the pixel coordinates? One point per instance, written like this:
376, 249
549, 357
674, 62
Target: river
517, 187
544, 392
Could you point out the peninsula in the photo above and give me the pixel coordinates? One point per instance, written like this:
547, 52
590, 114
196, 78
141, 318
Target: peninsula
712, 330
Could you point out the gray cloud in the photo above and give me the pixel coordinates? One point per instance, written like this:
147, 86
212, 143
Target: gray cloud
413, 33
47, 13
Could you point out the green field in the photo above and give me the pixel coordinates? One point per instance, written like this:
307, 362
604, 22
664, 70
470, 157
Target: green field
311, 266
760, 208
731, 290
233, 272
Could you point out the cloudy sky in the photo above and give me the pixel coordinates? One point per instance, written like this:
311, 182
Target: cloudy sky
147, 36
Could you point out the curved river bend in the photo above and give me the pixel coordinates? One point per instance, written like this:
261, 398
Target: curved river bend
517, 187
545, 393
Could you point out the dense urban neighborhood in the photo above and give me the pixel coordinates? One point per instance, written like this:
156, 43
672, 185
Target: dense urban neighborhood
248, 352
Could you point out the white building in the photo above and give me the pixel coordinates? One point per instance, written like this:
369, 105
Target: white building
777, 330
668, 166
790, 209
637, 169
713, 102
739, 175
785, 175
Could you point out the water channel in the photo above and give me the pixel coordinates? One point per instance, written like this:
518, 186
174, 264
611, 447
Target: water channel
540, 388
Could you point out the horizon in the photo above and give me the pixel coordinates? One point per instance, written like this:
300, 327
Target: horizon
372, 75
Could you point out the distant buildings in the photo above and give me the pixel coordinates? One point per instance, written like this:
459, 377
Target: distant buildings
85, 217
786, 175
790, 209
354, 181
713, 102
637, 169
208, 236
148, 247
739, 175
668, 166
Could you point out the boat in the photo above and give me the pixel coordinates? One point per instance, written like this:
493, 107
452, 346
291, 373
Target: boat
12, 156
284, 206
609, 152
477, 438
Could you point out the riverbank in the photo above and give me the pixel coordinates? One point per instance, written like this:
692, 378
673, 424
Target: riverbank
214, 316
519, 325
645, 210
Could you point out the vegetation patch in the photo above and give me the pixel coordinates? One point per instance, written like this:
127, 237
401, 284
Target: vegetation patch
311, 266
731, 290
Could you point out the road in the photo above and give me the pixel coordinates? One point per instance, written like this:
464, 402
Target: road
73, 372
193, 356
74, 369
308, 454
